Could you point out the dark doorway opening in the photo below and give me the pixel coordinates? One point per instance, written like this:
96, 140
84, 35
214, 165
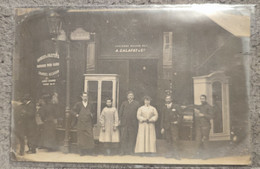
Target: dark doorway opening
119, 67
138, 75
143, 78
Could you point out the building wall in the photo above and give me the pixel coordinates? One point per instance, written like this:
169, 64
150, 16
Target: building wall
199, 47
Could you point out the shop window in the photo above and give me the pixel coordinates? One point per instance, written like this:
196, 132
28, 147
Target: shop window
167, 54
217, 104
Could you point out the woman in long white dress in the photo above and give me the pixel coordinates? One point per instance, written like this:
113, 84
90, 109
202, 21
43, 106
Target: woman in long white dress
147, 115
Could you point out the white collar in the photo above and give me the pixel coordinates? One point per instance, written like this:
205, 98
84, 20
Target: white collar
168, 104
130, 101
85, 104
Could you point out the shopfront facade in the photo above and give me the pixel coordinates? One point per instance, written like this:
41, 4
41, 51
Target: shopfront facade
152, 55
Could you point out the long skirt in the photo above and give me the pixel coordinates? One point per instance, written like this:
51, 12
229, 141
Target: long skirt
146, 138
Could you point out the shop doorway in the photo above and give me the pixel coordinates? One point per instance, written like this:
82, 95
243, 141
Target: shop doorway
138, 75
143, 78
119, 67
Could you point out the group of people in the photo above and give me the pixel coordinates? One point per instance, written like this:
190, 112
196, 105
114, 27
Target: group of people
36, 124
131, 130
117, 127
133, 127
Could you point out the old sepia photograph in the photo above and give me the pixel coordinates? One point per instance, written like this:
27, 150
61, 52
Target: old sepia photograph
132, 85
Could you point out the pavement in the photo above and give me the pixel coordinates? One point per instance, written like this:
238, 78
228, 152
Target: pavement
45, 156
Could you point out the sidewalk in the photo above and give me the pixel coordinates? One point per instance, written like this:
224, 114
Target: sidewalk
43, 156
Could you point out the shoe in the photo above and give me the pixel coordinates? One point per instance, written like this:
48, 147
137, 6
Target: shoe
93, 154
132, 154
152, 155
108, 152
168, 155
21, 153
81, 154
122, 154
204, 157
177, 157
31, 152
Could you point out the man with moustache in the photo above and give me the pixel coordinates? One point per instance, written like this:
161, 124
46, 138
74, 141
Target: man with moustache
170, 121
203, 115
128, 124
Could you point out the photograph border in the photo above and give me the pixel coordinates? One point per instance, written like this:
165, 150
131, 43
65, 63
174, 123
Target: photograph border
6, 90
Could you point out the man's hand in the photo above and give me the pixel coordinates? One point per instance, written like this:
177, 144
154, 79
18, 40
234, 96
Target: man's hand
200, 114
144, 120
196, 110
183, 107
103, 129
114, 128
175, 122
77, 115
162, 131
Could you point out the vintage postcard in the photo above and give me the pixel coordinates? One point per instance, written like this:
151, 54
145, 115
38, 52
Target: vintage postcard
135, 85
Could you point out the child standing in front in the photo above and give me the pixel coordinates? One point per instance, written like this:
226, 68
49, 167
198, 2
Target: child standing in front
109, 133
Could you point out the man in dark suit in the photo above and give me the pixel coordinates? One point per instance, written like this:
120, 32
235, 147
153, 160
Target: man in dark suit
170, 120
85, 139
128, 124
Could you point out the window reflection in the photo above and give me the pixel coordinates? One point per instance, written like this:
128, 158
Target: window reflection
217, 105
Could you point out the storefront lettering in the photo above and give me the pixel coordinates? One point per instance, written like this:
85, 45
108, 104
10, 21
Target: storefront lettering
48, 84
48, 68
54, 73
80, 34
49, 80
50, 55
130, 48
55, 64
48, 74
42, 73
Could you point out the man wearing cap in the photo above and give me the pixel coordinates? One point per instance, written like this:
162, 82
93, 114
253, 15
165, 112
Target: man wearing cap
128, 124
203, 115
85, 139
25, 124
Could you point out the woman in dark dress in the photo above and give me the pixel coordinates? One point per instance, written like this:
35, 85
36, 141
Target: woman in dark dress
49, 127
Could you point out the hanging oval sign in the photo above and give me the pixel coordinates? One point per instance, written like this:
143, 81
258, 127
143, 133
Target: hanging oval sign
48, 68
